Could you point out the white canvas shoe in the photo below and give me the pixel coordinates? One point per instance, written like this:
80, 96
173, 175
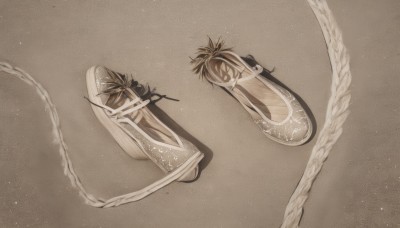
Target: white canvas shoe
274, 109
136, 129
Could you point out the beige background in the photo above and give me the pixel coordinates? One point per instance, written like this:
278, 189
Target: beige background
246, 179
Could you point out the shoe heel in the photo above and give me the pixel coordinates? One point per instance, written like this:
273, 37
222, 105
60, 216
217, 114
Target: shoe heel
191, 175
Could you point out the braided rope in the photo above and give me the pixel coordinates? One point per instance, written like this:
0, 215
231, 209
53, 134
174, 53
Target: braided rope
336, 114
66, 161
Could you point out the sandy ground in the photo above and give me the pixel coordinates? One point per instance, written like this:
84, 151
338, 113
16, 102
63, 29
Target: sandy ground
246, 179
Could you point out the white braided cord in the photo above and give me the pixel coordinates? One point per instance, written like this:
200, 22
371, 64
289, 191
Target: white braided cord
336, 114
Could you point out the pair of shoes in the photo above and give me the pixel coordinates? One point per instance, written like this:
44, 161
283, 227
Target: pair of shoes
142, 135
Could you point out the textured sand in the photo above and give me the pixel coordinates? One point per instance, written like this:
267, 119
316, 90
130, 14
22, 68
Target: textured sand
247, 179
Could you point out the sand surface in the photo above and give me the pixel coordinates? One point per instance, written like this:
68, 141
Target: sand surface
246, 179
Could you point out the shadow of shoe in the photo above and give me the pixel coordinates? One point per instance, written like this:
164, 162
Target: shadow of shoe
208, 154
249, 59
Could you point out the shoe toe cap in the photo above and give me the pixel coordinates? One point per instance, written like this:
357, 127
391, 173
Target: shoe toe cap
292, 133
300, 134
